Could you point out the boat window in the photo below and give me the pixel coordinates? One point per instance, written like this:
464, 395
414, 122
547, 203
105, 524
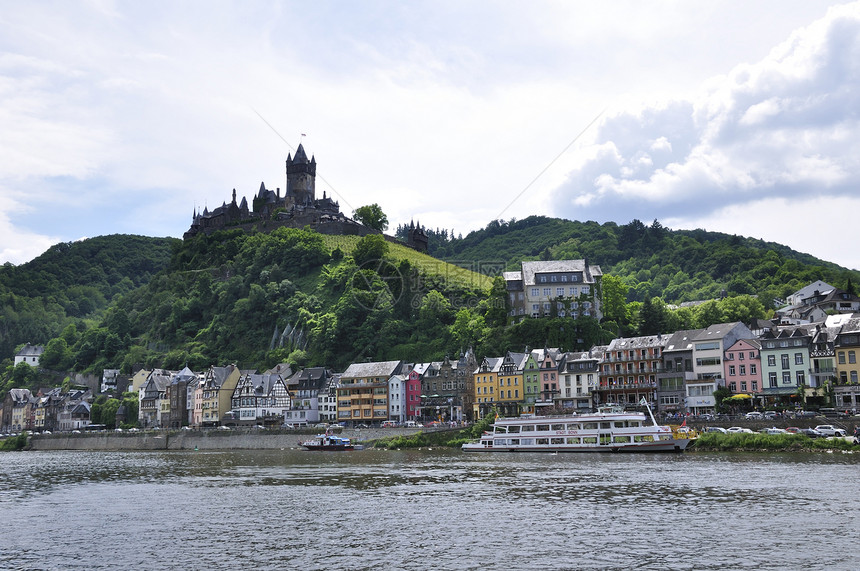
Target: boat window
606, 439
574, 427
634, 423
528, 441
590, 425
589, 440
622, 439
572, 440
643, 438
558, 427
515, 441
513, 429
543, 427
605, 424
540, 441
528, 428
619, 425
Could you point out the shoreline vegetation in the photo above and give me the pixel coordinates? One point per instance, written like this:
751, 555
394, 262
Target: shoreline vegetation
706, 442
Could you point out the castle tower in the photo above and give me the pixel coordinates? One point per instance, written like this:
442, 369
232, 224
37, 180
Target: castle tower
301, 177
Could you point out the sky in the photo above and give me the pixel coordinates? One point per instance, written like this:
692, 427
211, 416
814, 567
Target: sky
732, 116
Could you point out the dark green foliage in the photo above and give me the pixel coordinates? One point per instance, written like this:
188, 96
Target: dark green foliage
372, 216
651, 261
14, 443
73, 281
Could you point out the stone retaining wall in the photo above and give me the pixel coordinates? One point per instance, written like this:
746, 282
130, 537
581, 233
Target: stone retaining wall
198, 439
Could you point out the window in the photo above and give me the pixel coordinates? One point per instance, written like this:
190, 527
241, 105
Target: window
752, 354
564, 278
574, 292
772, 379
786, 377
585, 290
740, 356
559, 291
754, 385
731, 371
753, 369
742, 369
784, 360
771, 360
841, 356
798, 358
851, 358
535, 292
543, 279
744, 386
801, 378
547, 291
553, 278
732, 386
853, 376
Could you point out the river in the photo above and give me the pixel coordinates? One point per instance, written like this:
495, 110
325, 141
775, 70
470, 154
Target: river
427, 509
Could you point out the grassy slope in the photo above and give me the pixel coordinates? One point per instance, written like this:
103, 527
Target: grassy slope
427, 264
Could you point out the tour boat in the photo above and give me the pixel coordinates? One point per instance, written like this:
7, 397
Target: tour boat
328, 442
610, 429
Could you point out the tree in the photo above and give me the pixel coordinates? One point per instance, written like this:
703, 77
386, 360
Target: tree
371, 248
371, 216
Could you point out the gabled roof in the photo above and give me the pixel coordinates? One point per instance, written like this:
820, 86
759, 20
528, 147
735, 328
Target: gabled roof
376, 369
682, 340
30, 351
532, 268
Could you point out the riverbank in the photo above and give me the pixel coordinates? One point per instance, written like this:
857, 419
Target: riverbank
199, 439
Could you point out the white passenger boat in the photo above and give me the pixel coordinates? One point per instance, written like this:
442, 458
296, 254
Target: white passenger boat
610, 429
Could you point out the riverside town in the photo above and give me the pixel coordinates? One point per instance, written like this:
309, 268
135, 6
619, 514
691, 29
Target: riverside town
801, 362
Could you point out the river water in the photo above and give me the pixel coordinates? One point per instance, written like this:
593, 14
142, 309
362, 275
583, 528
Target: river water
427, 509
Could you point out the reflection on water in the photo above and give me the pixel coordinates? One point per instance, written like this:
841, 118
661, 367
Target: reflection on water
437, 509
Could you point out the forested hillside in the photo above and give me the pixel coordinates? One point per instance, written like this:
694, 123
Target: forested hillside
652, 261
72, 282
293, 295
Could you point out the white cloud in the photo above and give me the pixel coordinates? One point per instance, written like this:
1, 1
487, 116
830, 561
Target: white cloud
777, 132
124, 117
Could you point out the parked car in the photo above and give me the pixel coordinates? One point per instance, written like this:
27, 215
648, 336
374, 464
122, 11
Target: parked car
754, 415
792, 430
773, 430
715, 429
829, 430
738, 430
389, 424
810, 432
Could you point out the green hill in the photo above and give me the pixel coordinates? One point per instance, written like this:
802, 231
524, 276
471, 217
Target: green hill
73, 282
257, 299
652, 261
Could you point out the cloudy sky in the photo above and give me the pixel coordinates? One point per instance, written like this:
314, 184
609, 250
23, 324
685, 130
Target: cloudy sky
733, 116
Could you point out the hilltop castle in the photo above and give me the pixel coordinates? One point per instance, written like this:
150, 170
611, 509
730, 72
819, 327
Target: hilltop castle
299, 207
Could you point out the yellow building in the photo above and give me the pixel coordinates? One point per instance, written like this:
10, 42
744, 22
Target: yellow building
847, 348
510, 391
138, 380
215, 394
362, 396
486, 382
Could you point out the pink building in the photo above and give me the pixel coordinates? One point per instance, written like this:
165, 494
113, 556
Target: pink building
413, 395
742, 367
